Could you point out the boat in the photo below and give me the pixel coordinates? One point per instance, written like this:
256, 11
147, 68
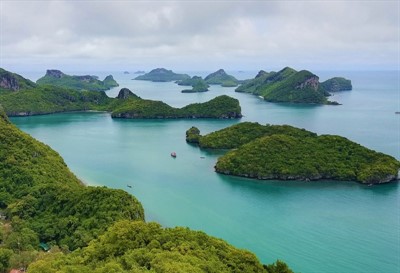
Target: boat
173, 154
129, 186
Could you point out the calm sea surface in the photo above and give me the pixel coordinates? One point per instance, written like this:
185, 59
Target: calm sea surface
315, 227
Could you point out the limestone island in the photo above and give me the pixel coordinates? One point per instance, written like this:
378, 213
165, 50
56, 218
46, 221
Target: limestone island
92, 229
197, 83
283, 152
220, 77
162, 75
291, 86
47, 99
86, 82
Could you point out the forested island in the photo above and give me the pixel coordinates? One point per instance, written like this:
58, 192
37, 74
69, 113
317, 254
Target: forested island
220, 77
86, 82
284, 152
289, 85
47, 99
92, 229
197, 83
162, 75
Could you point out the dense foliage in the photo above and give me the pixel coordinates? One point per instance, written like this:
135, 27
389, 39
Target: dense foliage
193, 135
287, 85
87, 82
13, 81
308, 158
162, 75
219, 107
45, 202
244, 132
140, 247
336, 84
221, 78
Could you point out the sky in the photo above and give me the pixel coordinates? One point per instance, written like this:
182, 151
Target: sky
199, 35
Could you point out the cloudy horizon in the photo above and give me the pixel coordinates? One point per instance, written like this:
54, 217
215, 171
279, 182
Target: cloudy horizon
199, 35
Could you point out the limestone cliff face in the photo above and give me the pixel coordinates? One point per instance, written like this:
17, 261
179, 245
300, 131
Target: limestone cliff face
125, 93
54, 73
9, 82
312, 82
14, 82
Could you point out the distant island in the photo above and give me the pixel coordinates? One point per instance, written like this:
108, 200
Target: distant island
289, 153
48, 99
337, 84
126, 72
197, 83
289, 85
139, 72
162, 75
220, 77
92, 229
86, 82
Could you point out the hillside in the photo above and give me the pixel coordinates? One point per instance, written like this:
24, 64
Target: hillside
86, 82
288, 153
13, 82
140, 247
162, 75
45, 202
287, 85
220, 77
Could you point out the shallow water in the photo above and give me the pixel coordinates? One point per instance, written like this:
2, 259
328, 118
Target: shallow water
314, 227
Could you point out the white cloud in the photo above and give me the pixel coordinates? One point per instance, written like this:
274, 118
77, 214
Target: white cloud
201, 34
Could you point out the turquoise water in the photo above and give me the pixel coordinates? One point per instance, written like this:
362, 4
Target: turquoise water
314, 227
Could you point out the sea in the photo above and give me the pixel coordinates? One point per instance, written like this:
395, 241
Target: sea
315, 227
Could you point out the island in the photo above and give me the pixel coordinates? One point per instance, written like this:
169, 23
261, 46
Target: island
221, 107
162, 75
197, 83
92, 229
337, 84
291, 86
86, 82
126, 72
220, 77
288, 153
49, 99
139, 72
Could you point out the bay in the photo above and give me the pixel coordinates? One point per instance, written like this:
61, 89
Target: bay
315, 227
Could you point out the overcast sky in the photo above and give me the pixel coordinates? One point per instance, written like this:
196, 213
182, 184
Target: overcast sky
199, 35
